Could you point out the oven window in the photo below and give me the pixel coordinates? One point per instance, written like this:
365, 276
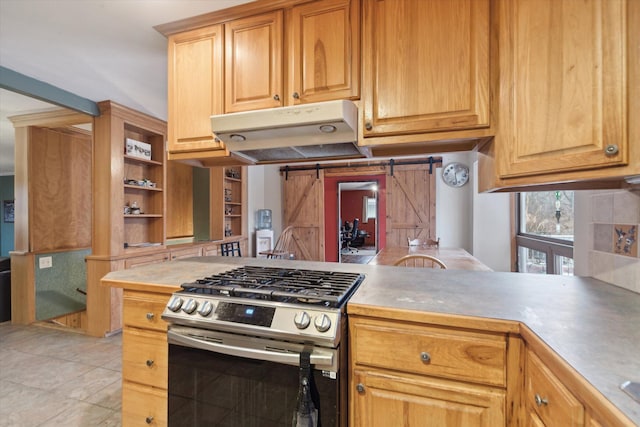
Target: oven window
212, 389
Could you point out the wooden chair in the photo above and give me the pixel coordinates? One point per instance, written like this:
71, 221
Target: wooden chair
420, 260
429, 243
282, 248
230, 249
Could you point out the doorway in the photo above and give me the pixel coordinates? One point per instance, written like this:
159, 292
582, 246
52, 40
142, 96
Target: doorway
358, 213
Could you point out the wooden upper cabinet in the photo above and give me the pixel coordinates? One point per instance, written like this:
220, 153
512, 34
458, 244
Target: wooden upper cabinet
195, 73
425, 65
253, 62
324, 52
563, 100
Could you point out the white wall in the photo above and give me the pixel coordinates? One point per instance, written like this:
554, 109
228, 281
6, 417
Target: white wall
454, 207
491, 227
264, 192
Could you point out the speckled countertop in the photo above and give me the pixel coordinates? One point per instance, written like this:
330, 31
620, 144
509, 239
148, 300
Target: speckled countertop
593, 326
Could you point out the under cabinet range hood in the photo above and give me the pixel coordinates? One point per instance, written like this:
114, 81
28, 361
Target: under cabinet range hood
323, 130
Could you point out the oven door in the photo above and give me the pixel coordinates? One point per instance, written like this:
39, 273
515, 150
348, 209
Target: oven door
222, 379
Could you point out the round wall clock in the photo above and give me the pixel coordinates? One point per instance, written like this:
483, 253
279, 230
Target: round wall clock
455, 174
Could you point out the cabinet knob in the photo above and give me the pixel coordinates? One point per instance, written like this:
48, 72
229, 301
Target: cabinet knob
368, 126
541, 400
425, 357
148, 420
611, 150
150, 316
276, 97
360, 388
149, 362
296, 95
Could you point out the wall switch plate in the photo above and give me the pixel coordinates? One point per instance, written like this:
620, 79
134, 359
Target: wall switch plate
46, 262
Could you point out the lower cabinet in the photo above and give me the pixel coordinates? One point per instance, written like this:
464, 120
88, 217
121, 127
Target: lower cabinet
406, 373
547, 401
388, 399
144, 359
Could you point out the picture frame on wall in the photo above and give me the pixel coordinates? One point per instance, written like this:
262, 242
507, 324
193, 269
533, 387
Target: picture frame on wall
8, 210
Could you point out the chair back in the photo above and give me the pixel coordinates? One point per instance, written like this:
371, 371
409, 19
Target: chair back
429, 243
230, 249
283, 246
354, 230
420, 260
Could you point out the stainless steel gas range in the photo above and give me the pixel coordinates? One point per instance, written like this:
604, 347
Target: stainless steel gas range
254, 345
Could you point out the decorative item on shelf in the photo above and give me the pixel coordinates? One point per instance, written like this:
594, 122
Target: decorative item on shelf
149, 183
227, 194
137, 149
135, 209
233, 173
228, 211
227, 231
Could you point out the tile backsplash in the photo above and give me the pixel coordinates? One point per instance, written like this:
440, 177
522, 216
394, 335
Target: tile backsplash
615, 223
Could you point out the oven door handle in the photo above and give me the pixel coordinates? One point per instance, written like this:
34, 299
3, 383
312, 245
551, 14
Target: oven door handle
317, 358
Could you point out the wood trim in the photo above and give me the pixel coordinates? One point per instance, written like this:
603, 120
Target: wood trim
224, 15
23, 288
53, 118
515, 408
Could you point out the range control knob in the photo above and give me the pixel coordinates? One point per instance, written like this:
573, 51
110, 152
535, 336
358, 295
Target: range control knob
190, 306
205, 309
322, 323
175, 304
302, 320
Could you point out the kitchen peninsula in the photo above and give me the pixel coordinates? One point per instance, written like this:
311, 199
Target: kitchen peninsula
581, 332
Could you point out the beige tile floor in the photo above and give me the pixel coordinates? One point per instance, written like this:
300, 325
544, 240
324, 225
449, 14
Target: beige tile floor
51, 376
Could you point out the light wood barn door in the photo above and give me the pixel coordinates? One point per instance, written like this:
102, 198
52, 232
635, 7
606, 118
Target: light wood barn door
303, 194
411, 204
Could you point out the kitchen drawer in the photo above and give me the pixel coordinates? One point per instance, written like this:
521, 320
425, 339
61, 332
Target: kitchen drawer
143, 310
548, 397
185, 252
143, 406
144, 357
139, 261
424, 350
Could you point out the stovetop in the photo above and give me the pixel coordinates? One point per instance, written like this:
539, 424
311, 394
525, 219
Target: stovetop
281, 303
285, 285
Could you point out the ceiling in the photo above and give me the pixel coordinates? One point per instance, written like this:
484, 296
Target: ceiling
97, 49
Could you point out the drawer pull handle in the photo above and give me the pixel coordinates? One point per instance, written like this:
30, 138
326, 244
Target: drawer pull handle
425, 357
150, 316
611, 150
276, 97
368, 126
149, 419
149, 362
360, 388
541, 400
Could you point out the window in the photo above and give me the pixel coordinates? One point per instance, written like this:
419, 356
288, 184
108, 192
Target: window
369, 208
545, 232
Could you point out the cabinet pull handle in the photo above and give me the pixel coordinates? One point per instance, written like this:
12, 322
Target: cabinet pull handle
425, 357
276, 97
149, 362
368, 126
149, 419
360, 388
150, 316
611, 150
296, 95
541, 400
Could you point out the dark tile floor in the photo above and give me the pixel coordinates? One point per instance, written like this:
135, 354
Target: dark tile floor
53, 376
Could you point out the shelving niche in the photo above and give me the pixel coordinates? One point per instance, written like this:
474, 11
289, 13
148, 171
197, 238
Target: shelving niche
228, 202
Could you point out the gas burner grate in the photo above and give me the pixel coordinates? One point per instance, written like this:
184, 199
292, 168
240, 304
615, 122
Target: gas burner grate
327, 288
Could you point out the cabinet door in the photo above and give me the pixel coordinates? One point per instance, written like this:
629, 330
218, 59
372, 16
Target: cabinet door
324, 51
186, 252
425, 65
563, 99
143, 405
195, 93
253, 62
547, 397
385, 399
